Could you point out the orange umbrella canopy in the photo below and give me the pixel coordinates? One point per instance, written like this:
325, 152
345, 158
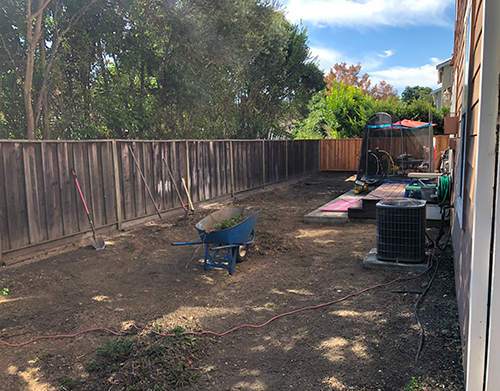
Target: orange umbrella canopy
408, 123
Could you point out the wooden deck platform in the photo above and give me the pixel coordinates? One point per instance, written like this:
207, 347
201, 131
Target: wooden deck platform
366, 209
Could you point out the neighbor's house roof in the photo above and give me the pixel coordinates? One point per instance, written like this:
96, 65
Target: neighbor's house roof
443, 64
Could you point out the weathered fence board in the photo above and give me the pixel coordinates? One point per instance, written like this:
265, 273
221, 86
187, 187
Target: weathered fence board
33, 194
68, 193
52, 190
275, 161
4, 240
107, 179
17, 215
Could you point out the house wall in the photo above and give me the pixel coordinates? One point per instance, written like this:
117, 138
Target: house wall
447, 77
462, 231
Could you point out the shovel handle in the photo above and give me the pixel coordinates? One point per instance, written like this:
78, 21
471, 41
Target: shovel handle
175, 185
81, 194
188, 195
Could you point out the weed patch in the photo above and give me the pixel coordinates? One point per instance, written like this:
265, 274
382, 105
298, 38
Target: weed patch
146, 362
413, 385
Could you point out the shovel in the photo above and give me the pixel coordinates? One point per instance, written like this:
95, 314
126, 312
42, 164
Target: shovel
97, 242
176, 188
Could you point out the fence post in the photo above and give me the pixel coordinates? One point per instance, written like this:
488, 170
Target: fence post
232, 166
263, 164
188, 168
304, 143
116, 175
286, 159
320, 151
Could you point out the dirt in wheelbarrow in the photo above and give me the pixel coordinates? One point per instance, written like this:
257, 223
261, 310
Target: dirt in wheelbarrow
364, 339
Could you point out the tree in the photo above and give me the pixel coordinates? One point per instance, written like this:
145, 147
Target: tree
342, 113
411, 94
152, 69
350, 76
47, 23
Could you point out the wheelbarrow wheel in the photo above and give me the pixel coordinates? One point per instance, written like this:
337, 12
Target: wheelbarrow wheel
242, 252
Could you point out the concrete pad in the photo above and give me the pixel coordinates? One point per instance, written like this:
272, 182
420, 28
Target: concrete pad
372, 262
332, 218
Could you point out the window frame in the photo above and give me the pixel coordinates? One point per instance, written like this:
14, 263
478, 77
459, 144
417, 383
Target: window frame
465, 120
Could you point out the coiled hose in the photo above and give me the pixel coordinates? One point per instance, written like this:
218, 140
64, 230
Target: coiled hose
444, 190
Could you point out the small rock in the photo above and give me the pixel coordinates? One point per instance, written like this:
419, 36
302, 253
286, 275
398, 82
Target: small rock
424, 284
446, 332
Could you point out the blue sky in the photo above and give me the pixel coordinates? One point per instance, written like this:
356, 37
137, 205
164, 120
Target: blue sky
399, 41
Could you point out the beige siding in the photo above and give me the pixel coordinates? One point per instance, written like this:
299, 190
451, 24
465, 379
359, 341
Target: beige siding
462, 236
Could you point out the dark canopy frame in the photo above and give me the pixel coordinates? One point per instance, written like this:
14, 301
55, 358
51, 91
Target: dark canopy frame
390, 150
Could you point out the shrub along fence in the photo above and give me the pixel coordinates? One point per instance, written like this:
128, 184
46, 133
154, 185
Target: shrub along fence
40, 205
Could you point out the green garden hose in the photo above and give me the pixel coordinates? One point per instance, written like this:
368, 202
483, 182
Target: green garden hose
444, 189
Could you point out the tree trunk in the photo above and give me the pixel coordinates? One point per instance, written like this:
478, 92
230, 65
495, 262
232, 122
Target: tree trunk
28, 83
32, 37
44, 95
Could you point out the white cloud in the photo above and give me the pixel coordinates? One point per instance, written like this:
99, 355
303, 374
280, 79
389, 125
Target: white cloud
386, 53
369, 13
326, 58
400, 77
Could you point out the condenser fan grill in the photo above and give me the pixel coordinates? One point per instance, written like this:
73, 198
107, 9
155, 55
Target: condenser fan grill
401, 230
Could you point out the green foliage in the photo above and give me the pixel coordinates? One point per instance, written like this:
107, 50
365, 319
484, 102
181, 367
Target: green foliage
69, 383
314, 126
154, 364
342, 112
228, 223
116, 349
178, 330
158, 327
411, 94
184, 375
4, 292
413, 385
163, 70
93, 366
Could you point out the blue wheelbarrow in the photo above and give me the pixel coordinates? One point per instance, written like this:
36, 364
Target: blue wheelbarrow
233, 241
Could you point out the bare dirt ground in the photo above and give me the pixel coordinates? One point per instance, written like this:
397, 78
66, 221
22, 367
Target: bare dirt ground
367, 342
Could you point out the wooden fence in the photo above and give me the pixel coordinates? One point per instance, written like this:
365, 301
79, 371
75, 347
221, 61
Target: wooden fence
441, 143
340, 154
39, 203
343, 154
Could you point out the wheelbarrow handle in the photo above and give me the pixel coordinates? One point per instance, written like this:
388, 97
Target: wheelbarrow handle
185, 243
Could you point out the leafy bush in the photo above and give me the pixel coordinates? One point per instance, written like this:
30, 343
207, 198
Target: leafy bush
228, 223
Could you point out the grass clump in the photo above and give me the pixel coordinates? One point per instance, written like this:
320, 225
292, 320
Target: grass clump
116, 349
68, 383
413, 385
